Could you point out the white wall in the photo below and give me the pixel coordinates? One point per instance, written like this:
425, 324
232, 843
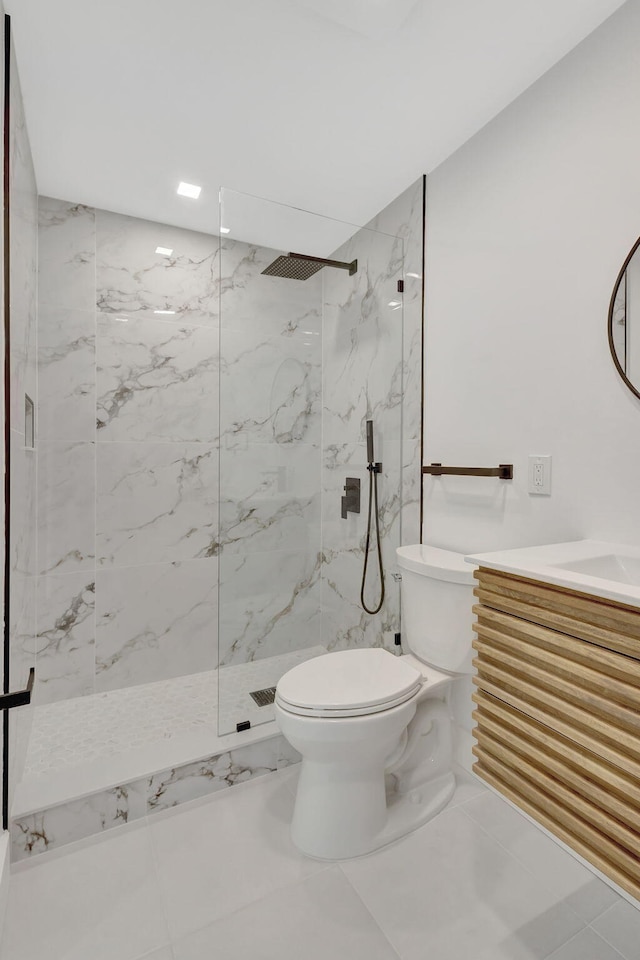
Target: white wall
527, 227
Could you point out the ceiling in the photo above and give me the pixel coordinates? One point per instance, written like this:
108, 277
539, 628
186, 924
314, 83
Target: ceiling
333, 106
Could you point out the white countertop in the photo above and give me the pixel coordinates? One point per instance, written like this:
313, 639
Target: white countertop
547, 563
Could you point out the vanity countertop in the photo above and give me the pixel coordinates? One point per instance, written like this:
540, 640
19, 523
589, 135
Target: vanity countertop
609, 570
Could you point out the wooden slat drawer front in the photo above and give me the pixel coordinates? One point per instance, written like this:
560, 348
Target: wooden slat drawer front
609, 764
547, 678
603, 736
536, 641
594, 619
589, 776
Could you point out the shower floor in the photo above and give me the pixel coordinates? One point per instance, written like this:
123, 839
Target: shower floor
90, 743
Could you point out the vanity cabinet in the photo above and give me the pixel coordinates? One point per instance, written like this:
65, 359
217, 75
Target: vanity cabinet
557, 717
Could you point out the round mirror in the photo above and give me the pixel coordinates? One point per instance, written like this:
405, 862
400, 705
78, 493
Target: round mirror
624, 332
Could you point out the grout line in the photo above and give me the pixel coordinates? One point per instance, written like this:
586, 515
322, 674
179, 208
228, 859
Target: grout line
366, 907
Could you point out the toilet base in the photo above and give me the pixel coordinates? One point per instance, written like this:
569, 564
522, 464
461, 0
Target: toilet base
405, 813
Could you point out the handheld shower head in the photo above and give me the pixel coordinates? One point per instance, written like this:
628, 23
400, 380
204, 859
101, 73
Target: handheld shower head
370, 455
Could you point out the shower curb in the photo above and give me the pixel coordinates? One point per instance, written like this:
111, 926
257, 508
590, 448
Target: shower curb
55, 826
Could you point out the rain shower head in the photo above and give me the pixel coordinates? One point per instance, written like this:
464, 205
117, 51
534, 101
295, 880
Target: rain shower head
298, 266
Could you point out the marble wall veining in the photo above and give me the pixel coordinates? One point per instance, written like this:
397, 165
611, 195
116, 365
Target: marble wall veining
128, 462
196, 423
371, 370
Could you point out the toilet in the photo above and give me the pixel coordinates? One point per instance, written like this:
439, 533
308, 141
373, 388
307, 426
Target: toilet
373, 729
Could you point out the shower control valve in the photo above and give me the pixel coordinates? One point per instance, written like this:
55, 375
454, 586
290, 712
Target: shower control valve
351, 500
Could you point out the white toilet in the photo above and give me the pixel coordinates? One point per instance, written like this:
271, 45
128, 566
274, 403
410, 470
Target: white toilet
374, 730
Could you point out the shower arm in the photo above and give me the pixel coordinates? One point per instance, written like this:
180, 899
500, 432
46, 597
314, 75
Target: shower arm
340, 264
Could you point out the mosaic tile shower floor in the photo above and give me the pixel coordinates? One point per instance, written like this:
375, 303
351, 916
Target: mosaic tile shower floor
74, 732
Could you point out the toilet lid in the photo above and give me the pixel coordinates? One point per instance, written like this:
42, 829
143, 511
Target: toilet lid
341, 683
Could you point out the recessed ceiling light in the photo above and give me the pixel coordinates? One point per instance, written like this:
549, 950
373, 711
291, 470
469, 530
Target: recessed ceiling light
165, 312
189, 190
122, 319
164, 251
418, 276
394, 304
225, 230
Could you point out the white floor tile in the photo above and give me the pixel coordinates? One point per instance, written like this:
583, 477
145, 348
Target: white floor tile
467, 787
449, 891
223, 855
102, 902
586, 946
568, 879
164, 953
620, 926
320, 918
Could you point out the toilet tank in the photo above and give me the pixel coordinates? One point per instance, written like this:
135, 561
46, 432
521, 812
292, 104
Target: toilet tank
437, 596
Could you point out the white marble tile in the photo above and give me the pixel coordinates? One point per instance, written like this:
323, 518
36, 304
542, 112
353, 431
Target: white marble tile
403, 219
65, 641
42, 832
101, 902
344, 623
620, 926
66, 514
270, 497
66, 374
217, 857
24, 238
319, 918
134, 281
411, 481
587, 945
269, 604
225, 770
478, 894
270, 389
22, 609
362, 341
156, 381
155, 621
66, 265
22, 557
156, 502
568, 879
258, 307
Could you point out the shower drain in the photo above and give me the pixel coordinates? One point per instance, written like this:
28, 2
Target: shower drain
263, 697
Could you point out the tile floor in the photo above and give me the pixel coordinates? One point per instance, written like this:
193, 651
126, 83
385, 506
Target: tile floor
220, 879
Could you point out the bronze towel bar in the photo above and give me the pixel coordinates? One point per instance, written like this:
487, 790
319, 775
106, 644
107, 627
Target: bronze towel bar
504, 471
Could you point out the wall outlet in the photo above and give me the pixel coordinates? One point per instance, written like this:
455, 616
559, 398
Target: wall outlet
540, 476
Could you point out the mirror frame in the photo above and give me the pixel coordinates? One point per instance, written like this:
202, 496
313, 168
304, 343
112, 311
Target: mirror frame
634, 390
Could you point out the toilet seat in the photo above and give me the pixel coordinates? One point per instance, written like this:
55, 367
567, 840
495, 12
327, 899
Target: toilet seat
348, 683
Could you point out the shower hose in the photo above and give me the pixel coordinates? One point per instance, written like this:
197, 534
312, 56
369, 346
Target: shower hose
373, 497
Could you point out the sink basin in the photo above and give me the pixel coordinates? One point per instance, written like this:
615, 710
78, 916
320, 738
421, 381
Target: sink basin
610, 566
610, 570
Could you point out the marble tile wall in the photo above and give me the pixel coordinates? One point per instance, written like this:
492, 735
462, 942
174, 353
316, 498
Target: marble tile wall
128, 453
372, 370
270, 454
172, 388
23, 380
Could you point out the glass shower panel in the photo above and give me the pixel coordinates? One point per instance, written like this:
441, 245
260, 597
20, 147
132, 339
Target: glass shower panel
303, 364
270, 455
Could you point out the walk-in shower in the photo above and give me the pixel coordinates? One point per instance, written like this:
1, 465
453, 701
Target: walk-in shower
192, 445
